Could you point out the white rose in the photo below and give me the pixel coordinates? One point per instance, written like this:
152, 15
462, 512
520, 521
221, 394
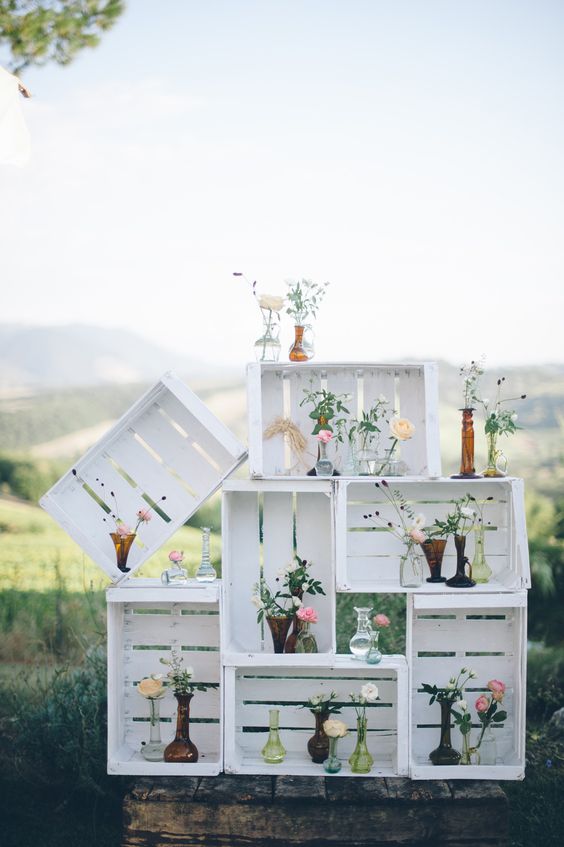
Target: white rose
297, 602
468, 513
315, 700
472, 674
305, 586
369, 692
256, 601
463, 705
291, 567
450, 686
401, 428
334, 728
272, 302
382, 398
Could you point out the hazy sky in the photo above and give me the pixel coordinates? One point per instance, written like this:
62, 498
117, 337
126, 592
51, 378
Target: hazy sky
408, 151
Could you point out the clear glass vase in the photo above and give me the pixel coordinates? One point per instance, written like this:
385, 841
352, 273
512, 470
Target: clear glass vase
267, 347
154, 750
411, 568
305, 642
332, 764
470, 755
487, 747
481, 571
359, 644
497, 462
361, 760
323, 466
374, 655
273, 751
206, 572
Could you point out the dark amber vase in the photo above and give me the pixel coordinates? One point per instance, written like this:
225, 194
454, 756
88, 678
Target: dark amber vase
461, 579
434, 550
444, 753
318, 744
297, 351
279, 630
467, 469
122, 544
182, 749
290, 644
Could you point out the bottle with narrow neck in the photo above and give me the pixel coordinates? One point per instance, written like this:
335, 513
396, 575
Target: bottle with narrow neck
362, 639
206, 571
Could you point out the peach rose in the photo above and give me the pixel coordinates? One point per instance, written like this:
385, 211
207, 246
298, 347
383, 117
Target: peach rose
123, 529
151, 688
417, 535
271, 302
401, 428
176, 555
334, 728
482, 703
497, 688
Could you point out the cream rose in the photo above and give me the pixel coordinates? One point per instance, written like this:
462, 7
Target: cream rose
334, 728
369, 692
151, 688
401, 428
271, 302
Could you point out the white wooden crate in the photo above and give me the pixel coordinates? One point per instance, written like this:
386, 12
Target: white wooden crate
145, 622
264, 523
168, 444
484, 633
276, 390
251, 689
368, 556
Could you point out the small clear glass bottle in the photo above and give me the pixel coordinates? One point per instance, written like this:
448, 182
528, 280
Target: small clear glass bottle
359, 644
273, 752
323, 466
206, 571
374, 655
154, 750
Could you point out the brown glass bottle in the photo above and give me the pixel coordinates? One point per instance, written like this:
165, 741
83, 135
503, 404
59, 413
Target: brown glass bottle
467, 469
182, 749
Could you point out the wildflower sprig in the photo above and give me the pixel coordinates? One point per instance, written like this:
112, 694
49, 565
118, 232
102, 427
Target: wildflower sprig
304, 298
181, 678
323, 703
453, 690
409, 526
500, 420
326, 405
458, 522
470, 377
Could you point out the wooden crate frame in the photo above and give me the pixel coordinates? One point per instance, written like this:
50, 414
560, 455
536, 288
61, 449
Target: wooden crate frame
168, 444
368, 556
455, 629
290, 509
147, 615
275, 390
252, 688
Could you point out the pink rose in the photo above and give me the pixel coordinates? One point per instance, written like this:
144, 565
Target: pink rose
307, 614
144, 515
176, 555
123, 529
418, 535
325, 435
381, 620
482, 703
497, 688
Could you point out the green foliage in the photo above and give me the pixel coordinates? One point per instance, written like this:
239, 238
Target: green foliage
40, 31
325, 406
392, 638
26, 478
304, 297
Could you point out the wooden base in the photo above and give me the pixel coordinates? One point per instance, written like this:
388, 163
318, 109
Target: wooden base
232, 811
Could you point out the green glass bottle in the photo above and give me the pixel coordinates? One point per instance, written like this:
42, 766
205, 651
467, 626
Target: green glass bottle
273, 752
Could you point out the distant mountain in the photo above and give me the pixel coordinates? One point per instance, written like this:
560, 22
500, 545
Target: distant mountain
35, 358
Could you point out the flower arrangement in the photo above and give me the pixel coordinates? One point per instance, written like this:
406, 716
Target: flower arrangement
297, 579
368, 694
486, 706
367, 426
267, 348
326, 405
304, 298
143, 516
459, 522
271, 604
410, 532
323, 703
181, 678
453, 690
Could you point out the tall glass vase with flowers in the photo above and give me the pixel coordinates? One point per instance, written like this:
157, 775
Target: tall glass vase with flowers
361, 760
487, 708
470, 375
267, 347
446, 697
364, 434
401, 429
499, 421
408, 528
153, 690
297, 581
182, 748
304, 298
321, 706
327, 412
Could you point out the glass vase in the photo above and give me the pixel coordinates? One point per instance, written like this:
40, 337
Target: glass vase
273, 752
323, 466
154, 750
359, 644
467, 469
122, 545
411, 569
374, 655
444, 754
318, 744
291, 639
461, 578
279, 627
487, 747
182, 749
267, 347
332, 764
361, 761
300, 351
206, 572
305, 642
174, 576
481, 571
497, 462
434, 550
470, 755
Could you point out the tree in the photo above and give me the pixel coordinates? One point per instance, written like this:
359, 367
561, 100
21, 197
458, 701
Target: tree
40, 31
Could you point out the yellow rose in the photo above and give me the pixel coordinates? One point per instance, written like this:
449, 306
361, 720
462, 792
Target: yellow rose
401, 428
271, 302
334, 728
150, 688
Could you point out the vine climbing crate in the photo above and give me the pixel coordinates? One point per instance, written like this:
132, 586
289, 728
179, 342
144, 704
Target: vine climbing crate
276, 391
485, 633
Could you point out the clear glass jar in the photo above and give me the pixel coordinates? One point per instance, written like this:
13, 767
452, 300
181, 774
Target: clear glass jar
323, 466
359, 644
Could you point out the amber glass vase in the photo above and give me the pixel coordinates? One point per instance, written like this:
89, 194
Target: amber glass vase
279, 630
182, 749
318, 744
444, 754
434, 550
290, 643
122, 544
467, 469
461, 579
298, 353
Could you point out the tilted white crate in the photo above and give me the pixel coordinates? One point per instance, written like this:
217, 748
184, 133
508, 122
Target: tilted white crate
145, 622
252, 688
276, 391
167, 445
264, 524
368, 555
487, 634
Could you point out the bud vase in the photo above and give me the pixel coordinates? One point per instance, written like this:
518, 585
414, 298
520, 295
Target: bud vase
299, 351
318, 744
359, 644
470, 755
206, 571
460, 579
182, 749
154, 750
267, 347
481, 571
434, 550
497, 462
361, 761
122, 544
332, 764
444, 754
467, 469
374, 655
411, 569
323, 466
279, 627
487, 747
273, 751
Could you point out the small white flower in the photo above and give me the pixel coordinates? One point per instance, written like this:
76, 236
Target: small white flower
293, 566
369, 692
315, 700
486, 401
450, 686
382, 398
468, 513
462, 704
305, 586
463, 670
472, 674
281, 573
514, 416
297, 602
419, 521
256, 601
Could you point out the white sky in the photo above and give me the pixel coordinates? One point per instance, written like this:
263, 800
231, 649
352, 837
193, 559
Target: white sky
409, 152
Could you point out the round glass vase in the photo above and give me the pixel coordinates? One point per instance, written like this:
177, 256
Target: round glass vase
154, 750
359, 644
481, 571
374, 655
323, 466
332, 764
461, 579
182, 749
273, 751
305, 642
361, 760
497, 462
411, 569
445, 754
318, 744
467, 469
122, 546
267, 347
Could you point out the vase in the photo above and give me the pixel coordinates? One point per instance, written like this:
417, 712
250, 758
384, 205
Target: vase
434, 549
122, 544
182, 749
374, 655
299, 351
279, 627
290, 643
332, 764
359, 644
390, 465
361, 761
461, 578
174, 576
154, 750
273, 752
444, 754
470, 755
497, 462
487, 747
481, 571
467, 469
323, 466
267, 347
305, 642
318, 744
411, 569
366, 453
206, 571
